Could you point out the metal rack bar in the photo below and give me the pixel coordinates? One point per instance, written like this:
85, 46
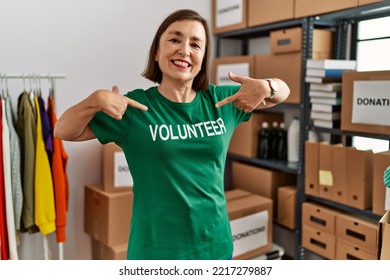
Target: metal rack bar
33, 75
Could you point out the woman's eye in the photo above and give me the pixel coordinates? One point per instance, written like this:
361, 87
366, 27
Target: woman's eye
174, 40
196, 46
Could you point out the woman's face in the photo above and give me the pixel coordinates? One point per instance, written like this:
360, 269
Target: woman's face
181, 50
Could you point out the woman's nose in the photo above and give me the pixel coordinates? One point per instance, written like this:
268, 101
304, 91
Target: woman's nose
184, 50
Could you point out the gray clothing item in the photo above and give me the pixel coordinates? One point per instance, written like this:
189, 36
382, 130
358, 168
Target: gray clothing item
16, 181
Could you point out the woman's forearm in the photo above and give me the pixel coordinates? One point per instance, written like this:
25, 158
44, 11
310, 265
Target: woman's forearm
73, 124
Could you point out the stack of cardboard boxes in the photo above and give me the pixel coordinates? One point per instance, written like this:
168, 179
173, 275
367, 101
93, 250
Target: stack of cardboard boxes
251, 223
108, 207
240, 14
335, 235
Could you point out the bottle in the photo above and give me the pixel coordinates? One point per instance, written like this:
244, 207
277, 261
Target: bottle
293, 140
263, 141
282, 144
273, 140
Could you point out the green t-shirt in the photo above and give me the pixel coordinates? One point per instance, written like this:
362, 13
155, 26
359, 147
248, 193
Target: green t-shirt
176, 153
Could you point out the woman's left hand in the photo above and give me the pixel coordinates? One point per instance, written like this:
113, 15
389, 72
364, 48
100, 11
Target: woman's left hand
250, 96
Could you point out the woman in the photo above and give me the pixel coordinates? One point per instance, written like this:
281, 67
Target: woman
175, 137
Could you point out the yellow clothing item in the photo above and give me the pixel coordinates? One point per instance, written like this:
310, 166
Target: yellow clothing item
45, 214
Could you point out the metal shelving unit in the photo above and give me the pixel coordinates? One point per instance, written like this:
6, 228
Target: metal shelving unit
340, 22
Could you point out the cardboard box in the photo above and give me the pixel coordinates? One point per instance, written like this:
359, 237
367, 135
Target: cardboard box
319, 242
251, 223
261, 12
325, 171
380, 163
304, 8
235, 194
287, 204
240, 65
116, 172
384, 237
290, 40
366, 2
260, 181
245, 137
274, 65
347, 102
107, 215
319, 217
359, 232
349, 251
340, 180
311, 168
359, 176
103, 252
229, 15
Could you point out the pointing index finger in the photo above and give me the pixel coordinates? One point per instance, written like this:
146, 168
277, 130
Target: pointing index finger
137, 105
225, 101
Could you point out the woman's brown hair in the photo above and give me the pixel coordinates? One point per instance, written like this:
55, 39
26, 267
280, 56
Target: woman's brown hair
153, 71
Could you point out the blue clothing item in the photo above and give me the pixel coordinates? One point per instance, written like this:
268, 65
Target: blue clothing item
46, 129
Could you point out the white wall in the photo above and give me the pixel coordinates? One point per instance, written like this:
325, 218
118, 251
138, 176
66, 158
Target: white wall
96, 43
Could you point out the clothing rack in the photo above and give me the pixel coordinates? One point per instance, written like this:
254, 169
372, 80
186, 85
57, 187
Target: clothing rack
39, 76
33, 75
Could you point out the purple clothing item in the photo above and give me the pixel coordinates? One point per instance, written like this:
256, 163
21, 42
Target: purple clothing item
46, 129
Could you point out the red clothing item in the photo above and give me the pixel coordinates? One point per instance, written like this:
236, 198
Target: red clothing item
60, 179
3, 220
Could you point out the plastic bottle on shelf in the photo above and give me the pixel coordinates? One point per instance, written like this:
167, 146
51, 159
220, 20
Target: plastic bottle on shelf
263, 141
282, 144
293, 140
274, 140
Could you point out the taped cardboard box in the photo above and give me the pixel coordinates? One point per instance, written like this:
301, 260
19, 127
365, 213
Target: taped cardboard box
260, 181
107, 215
251, 224
103, 252
366, 2
274, 65
304, 8
290, 40
229, 15
384, 237
116, 172
235, 194
259, 11
362, 109
287, 204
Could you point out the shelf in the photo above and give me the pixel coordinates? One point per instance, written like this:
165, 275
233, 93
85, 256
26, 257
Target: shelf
280, 165
348, 209
259, 31
350, 133
357, 13
280, 107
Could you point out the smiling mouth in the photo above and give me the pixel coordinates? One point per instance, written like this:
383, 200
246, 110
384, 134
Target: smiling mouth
181, 63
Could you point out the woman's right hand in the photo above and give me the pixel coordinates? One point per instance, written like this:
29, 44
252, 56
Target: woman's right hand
113, 103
